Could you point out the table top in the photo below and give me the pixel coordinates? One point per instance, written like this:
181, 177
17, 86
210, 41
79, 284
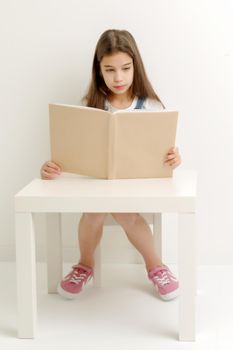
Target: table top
74, 193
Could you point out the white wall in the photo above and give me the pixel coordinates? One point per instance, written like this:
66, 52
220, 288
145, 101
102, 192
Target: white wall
46, 53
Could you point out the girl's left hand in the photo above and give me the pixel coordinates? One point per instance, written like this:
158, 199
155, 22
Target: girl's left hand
173, 158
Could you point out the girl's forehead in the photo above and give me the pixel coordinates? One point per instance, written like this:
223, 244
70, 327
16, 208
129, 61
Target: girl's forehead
116, 59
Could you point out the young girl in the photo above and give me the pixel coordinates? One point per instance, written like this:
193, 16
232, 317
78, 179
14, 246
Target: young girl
118, 81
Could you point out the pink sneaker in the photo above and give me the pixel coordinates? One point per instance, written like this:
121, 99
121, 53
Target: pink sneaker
73, 283
165, 282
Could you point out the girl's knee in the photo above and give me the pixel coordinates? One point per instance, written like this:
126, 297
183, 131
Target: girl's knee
94, 218
125, 219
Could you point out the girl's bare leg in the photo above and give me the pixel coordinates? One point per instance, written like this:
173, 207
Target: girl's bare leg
90, 231
140, 235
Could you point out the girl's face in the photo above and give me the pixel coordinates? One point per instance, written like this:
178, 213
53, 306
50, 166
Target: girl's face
117, 71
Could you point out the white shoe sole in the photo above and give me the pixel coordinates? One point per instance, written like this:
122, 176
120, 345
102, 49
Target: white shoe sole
168, 296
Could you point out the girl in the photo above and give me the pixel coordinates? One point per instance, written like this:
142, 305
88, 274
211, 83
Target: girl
118, 81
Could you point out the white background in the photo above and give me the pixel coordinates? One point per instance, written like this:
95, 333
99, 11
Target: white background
47, 48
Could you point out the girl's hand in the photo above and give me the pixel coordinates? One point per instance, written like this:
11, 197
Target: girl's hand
50, 170
173, 158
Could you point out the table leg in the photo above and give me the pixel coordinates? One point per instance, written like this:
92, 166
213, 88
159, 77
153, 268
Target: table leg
97, 268
54, 251
187, 276
157, 233
26, 275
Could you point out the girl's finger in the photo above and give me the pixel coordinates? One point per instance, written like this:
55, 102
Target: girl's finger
171, 156
48, 174
52, 165
48, 170
169, 159
51, 170
172, 162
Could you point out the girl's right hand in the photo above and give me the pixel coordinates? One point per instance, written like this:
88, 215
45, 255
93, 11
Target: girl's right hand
50, 170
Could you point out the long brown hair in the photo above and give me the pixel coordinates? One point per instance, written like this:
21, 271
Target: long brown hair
110, 42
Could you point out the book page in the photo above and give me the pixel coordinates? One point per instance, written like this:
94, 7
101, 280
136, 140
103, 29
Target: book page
79, 139
143, 139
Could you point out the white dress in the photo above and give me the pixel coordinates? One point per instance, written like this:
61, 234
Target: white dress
149, 105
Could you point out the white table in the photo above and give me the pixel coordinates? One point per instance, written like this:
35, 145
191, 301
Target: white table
76, 194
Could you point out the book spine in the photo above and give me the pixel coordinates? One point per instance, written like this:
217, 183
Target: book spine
112, 147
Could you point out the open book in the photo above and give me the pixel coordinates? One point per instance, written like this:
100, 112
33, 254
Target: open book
93, 142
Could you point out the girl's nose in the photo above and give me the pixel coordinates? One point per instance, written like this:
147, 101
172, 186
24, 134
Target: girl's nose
117, 76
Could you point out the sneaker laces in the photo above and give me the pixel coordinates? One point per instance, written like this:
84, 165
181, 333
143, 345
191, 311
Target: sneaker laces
77, 275
162, 277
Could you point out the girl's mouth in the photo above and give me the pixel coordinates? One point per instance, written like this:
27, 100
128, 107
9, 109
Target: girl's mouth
119, 87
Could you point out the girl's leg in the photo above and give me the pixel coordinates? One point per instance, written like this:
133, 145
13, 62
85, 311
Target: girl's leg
89, 234
140, 235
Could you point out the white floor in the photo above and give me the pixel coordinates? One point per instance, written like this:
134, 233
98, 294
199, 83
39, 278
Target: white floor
123, 314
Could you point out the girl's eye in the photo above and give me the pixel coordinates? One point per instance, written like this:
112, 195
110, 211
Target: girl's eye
112, 70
